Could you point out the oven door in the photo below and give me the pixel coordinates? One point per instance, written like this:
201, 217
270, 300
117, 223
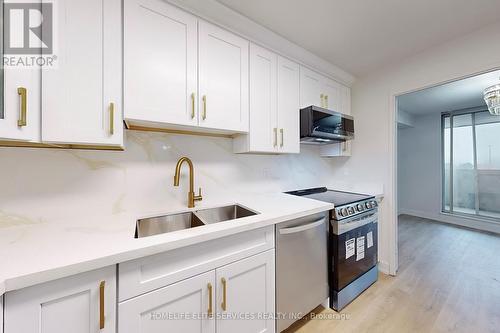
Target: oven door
353, 249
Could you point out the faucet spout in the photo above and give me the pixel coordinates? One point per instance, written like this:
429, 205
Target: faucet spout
191, 196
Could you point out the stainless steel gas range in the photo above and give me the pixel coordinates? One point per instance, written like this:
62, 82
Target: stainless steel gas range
352, 243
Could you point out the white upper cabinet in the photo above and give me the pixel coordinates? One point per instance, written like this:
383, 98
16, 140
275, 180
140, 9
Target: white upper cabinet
82, 97
318, 90
160, 63
288, 106
223, 79
345, 100
310, 88
263, 135
84, 303
274, 105
331, 94
20, 112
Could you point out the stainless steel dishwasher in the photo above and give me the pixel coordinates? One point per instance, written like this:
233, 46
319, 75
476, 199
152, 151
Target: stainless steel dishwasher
301, 267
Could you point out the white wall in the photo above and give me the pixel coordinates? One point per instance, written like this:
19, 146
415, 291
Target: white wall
419, 165
373, 109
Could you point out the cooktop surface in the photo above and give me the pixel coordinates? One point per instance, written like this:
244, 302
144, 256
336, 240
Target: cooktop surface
338, 198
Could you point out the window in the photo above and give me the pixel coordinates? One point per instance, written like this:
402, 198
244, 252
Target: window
471, 164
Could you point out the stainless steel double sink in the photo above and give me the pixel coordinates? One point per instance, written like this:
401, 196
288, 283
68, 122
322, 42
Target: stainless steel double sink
187, 220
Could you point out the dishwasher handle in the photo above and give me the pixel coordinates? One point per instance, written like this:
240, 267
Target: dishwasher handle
300, 228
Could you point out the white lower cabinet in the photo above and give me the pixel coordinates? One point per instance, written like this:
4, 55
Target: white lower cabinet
180, 307
245, 295
238, 297
84, 303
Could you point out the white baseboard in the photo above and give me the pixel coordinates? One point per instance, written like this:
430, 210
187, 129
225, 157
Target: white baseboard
463, 221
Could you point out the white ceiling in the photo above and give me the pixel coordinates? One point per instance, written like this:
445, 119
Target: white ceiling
458, 95
362, 35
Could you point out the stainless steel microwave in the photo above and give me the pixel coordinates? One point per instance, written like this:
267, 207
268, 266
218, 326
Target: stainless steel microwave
321, 126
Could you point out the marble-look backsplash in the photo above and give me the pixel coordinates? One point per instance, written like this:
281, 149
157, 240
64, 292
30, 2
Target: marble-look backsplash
41, 185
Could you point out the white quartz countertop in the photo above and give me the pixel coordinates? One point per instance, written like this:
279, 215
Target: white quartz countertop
32, 253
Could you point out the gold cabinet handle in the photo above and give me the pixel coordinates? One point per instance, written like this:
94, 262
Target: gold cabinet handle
326, 101
204, 116
282, 137
111, 118
21, 91
275, 137
224, 294
210, 301
322, 96
101, 305
192, 105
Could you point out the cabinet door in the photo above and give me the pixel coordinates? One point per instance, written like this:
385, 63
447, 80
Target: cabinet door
263, 116
345, 98
331, 92
66, 305
160, 63
341, 149
14, 80
288, 106
82, 97
310, 88
246, 287
161, 310
223, 79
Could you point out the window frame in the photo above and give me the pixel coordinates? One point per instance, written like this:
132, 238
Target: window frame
451, 115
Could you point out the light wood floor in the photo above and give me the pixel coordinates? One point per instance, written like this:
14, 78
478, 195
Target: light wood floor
448, 281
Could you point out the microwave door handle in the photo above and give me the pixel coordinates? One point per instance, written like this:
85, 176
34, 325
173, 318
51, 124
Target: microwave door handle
304, 227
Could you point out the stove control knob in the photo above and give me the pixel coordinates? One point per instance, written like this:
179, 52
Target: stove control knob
360, 207
374, 203
368, 205
351, 210
343, 212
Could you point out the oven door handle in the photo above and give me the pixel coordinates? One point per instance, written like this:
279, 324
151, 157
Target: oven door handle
344, 227
304, 227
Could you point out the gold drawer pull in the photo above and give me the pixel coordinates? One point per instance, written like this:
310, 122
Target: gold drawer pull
282, 137
21, 91
204, 116
210, 310
326, 101
224, 292
275, 137
322, 100
101, 305
192, 105
111, 118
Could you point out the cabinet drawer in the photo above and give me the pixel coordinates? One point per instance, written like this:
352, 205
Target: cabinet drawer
145, 274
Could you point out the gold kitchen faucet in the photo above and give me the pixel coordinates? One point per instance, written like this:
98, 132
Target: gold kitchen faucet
191, 196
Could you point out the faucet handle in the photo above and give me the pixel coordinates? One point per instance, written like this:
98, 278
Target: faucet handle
199, 196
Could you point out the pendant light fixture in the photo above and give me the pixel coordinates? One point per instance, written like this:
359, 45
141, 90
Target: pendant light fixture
492, 99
